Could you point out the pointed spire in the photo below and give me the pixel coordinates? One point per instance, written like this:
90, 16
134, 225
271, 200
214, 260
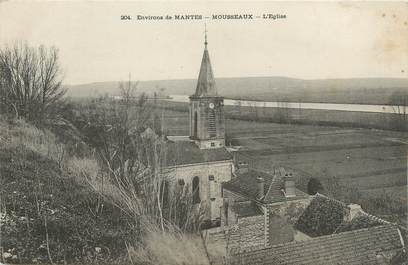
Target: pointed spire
205, 42
206, 82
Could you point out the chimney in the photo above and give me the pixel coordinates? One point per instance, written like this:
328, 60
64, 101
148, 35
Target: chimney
289, 185
260, 184
354, 210
243, 167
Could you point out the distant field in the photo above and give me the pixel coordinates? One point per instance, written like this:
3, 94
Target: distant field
345, 119
372, 160
273, 88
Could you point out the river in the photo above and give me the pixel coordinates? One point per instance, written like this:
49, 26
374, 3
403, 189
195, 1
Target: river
304, 105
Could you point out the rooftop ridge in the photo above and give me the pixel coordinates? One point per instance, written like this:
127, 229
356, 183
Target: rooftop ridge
275, 176
260, 247
331, 199
376, 218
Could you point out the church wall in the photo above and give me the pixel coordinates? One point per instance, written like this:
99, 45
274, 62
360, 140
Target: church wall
221, 171
201, 107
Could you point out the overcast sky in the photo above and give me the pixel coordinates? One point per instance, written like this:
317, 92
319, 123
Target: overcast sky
316, 40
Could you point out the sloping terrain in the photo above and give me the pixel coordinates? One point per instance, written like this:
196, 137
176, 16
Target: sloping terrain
46, 214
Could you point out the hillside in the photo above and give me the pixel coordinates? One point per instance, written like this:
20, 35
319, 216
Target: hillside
46, 214
355, 90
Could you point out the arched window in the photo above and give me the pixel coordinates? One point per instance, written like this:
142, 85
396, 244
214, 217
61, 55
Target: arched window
226, 205
196, 190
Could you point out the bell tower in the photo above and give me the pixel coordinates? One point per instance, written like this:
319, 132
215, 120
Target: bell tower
207, 122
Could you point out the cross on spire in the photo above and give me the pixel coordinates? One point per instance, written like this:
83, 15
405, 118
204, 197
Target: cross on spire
205, 83
205, 32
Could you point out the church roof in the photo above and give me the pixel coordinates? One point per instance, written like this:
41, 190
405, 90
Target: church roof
356, 247
206, 82
187, 152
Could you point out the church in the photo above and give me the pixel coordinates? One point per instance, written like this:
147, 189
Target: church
201, 160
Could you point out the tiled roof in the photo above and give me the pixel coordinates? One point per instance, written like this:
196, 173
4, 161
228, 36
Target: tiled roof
325, 216
356, 247
359, 222
275, 194
244, 183
187, 152
321, 217
245, 209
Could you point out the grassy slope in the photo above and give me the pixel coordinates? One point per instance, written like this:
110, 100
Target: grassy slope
82, 228
35, 190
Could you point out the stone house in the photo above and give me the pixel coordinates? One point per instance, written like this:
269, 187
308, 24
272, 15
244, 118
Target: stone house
267, 220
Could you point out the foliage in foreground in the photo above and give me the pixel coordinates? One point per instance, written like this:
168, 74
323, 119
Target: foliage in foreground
92, 209
46, 215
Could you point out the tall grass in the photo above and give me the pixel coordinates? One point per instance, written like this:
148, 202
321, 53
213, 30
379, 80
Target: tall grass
169, 249
165, 217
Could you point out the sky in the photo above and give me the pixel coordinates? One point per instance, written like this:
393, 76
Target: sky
316, 39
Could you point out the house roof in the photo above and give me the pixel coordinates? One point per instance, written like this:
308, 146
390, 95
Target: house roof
187, 152
244, 183
246, 209
359, 222
321, 217
325, 216
353, 248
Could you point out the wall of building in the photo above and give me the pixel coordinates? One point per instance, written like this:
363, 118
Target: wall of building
210, 190
249, 232
201, 107
228, 216
282, 218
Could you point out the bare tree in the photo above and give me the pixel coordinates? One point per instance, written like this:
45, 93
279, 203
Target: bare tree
30, 81
133, 157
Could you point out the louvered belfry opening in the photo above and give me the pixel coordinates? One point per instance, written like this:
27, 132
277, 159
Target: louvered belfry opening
211, 123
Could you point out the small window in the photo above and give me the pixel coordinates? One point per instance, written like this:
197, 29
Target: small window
212, 144
211, 177
196, 190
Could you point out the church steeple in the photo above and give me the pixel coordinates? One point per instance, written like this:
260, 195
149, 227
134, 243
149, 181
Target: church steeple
205, 83
207, 123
